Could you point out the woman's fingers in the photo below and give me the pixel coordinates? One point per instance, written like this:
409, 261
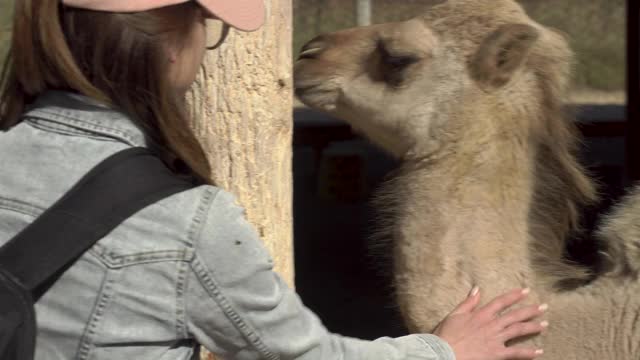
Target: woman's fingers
522, 314
524, 353
503, 302
523, 329
469, 304
481, 332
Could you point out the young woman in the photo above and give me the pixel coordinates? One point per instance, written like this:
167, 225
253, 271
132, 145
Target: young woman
87, 78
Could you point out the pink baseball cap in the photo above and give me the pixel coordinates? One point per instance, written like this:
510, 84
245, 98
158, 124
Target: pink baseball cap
245, 15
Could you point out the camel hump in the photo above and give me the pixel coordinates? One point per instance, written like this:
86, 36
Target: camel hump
620, 234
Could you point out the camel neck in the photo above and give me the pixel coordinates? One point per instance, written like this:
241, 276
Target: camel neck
466, 211
483, 198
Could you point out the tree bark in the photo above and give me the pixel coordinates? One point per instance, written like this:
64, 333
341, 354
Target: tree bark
242, 103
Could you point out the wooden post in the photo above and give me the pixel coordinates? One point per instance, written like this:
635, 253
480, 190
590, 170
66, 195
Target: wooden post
363, 15
242, 103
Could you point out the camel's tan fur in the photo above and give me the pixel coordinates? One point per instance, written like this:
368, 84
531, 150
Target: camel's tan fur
470, 96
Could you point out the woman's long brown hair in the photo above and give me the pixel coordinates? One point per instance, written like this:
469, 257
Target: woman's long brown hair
118, 59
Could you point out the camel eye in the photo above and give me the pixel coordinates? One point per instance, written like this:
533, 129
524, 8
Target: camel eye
399, 62
394, 64
394, 61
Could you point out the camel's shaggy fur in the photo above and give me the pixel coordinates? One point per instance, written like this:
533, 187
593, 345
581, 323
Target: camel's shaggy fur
470, 97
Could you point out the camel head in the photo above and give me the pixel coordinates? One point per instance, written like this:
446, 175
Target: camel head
463, 64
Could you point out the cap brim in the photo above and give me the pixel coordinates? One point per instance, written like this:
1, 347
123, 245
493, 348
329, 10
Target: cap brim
121, 6
245, 15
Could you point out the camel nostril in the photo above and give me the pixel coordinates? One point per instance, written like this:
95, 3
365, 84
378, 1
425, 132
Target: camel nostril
311, 49
310, 53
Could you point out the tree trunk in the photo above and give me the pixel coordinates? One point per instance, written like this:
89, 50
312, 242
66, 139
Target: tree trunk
243, 105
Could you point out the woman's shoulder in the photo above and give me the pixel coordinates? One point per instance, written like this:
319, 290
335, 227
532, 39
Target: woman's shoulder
225, 235
207, 210
219, 211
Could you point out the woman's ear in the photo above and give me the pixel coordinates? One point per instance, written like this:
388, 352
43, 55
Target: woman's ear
172, 48
501, 54
172, 53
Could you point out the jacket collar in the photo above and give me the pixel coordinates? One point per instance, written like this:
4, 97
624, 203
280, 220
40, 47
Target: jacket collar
85, 114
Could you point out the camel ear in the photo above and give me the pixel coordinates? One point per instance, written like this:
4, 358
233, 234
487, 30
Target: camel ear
502, 53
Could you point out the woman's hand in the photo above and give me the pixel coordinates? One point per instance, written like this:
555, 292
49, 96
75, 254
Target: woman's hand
481, 333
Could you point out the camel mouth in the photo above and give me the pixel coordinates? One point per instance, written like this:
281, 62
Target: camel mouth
316, 95
300, 92
305, 94
310, 89
307, 85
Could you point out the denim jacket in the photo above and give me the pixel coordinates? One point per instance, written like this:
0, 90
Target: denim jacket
185, 271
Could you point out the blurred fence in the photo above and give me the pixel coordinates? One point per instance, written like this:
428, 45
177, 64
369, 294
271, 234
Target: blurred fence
595, 28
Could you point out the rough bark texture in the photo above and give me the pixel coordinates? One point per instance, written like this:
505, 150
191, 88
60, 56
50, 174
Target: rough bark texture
243, 105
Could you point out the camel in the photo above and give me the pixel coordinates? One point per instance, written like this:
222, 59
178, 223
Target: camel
470, 97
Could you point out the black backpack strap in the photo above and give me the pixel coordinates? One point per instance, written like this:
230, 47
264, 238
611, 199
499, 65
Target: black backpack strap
115, 189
